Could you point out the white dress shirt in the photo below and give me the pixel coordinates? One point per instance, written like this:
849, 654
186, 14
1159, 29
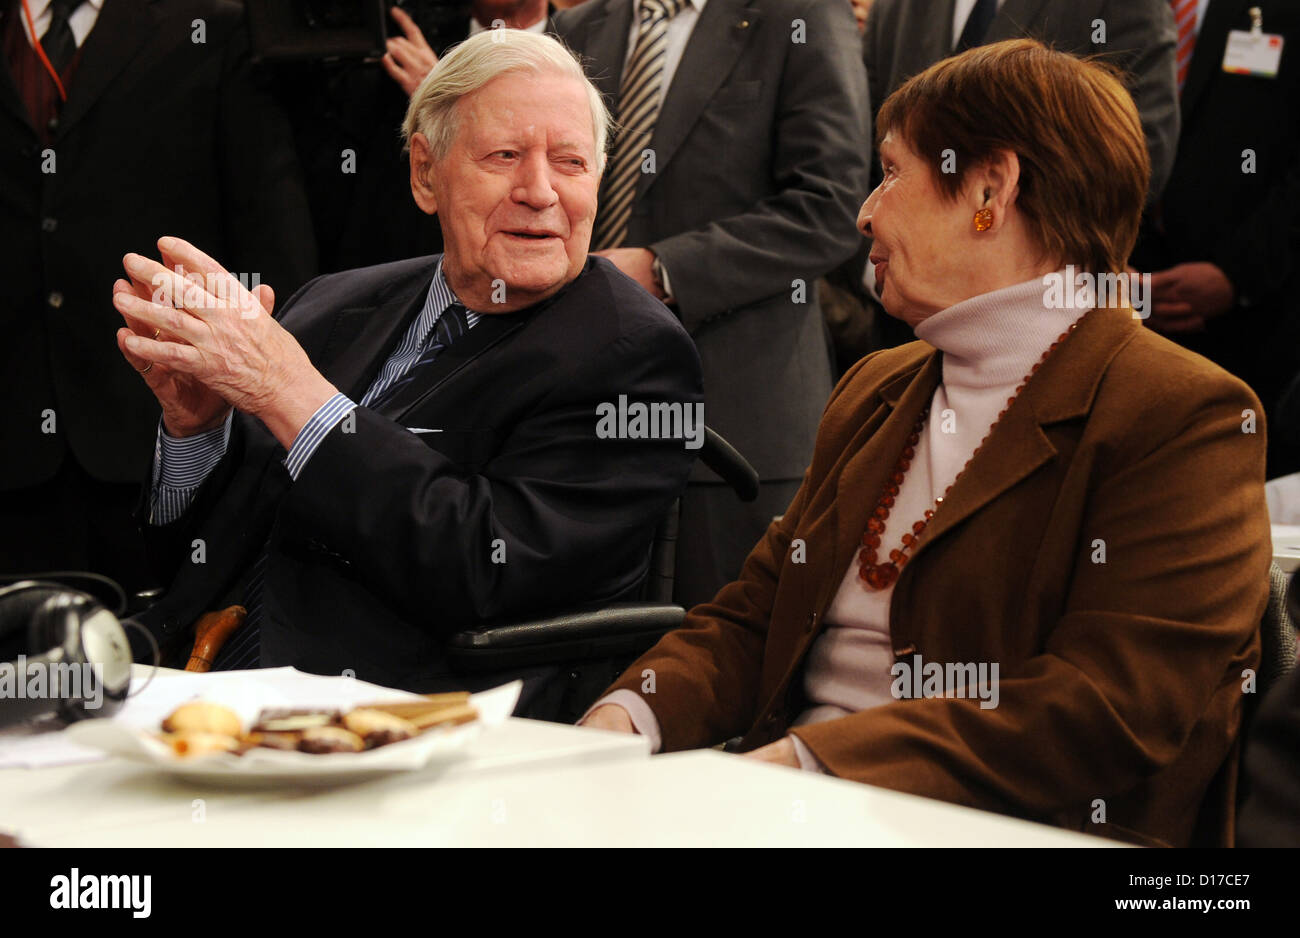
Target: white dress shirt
82, 20
960, 14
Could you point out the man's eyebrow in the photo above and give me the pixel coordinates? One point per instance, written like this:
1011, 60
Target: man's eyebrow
568, 145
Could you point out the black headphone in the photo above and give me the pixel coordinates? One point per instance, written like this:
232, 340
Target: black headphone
76, 655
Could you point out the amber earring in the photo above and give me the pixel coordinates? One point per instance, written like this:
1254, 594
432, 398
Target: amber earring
984, 219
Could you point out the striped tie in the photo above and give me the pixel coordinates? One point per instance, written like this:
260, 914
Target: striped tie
451, 325
244, 648
1185, 17
638, 109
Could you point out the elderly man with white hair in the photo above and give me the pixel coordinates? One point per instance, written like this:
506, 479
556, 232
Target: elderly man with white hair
408, 450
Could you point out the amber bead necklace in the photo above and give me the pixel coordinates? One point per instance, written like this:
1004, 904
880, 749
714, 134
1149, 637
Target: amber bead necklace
880, 576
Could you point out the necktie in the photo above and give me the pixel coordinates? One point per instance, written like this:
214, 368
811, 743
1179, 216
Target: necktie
59, 43
244, 648
638, 109
451, 325
1185, 18
977, 25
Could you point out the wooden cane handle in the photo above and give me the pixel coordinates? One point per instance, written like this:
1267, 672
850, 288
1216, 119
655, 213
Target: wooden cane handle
211, 632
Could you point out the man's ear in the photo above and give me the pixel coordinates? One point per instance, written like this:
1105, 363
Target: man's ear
422, 164
996, 184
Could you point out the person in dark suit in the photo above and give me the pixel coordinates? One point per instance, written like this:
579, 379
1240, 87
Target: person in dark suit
1271, 815
758, 144
904, 37
154, 135
1222, 244
346, 116
416, 448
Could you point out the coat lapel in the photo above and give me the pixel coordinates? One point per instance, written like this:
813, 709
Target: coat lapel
9, 97
719, 36
490, 330
864, 475
362, 337
1013, 20
1063, 389
606, 48
1207, 55
122, 30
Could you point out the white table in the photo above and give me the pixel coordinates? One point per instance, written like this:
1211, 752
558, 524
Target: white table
524, 784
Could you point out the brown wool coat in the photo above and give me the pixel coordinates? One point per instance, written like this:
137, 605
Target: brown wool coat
1120, 682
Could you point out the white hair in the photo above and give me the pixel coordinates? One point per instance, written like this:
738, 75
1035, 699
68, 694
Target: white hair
478, 60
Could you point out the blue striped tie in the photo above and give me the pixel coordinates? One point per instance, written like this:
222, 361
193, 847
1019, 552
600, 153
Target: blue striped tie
244, 648
451, 325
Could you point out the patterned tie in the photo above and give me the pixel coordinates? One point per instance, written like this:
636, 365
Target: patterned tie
59, 43
451, 325
244, 648
638, 109
977, 25
1185, 17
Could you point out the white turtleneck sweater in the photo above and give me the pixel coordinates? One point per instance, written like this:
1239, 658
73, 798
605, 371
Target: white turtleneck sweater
989, 343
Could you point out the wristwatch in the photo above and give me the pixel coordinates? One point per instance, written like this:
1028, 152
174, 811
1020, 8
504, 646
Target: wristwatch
660, 277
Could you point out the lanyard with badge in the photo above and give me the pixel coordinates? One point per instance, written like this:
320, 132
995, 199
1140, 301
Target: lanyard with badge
1253, 52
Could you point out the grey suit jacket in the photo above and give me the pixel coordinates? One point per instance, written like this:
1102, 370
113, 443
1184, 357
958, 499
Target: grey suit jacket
762, 153
904, 37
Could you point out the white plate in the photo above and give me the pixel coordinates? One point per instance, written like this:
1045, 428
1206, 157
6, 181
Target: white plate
133, 733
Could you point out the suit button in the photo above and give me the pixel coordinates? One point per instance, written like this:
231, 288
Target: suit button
170, 625
49, 225
55, 299
53, 124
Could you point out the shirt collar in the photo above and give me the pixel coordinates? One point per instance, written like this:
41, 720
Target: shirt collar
38, 7
441, 294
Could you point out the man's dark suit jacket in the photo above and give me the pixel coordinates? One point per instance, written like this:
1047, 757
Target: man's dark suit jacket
1271, 814
905, 37
1246, 223
389, 539
160, 135
761, 162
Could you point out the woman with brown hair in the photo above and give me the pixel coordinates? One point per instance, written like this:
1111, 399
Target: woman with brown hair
1027, 564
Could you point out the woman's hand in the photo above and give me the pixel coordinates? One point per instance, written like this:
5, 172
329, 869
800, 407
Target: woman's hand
610, 717
780, 752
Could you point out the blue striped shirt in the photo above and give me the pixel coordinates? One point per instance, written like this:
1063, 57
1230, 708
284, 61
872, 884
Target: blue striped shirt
182, 463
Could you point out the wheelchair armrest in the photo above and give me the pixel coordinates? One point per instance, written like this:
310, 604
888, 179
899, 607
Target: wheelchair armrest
613, 630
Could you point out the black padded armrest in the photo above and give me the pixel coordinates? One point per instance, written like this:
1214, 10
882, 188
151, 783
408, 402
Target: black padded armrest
727, 464
617, 629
